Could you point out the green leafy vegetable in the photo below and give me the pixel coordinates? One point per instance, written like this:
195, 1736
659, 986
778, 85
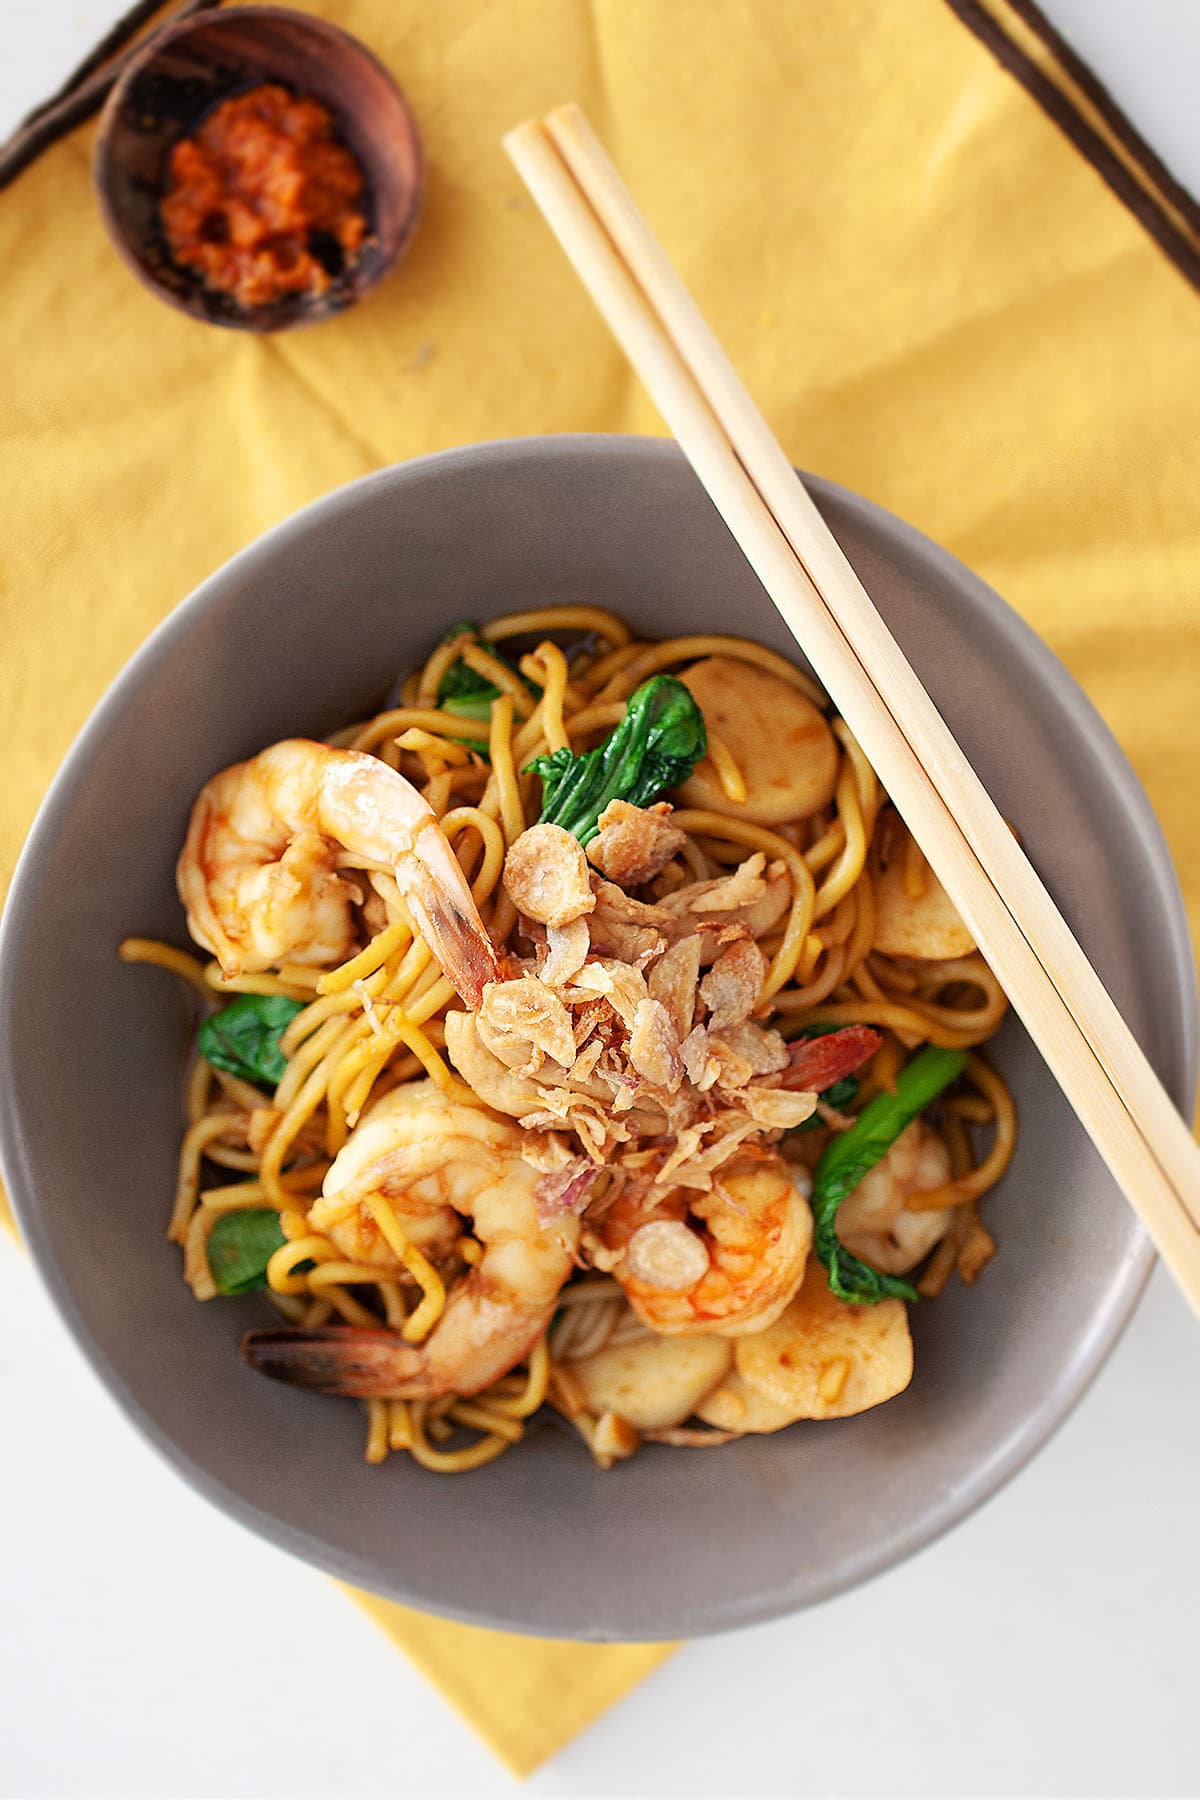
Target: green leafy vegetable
243, 1038
851, 1155
841, 1093
462, 690
240, 1245
656, 746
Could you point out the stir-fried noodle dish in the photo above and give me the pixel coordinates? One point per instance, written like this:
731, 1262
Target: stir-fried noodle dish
585, 1030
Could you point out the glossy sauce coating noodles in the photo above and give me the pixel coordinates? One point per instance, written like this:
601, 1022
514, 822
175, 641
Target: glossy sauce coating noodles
637, 1202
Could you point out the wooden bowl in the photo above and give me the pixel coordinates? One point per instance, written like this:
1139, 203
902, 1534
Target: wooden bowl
188, 68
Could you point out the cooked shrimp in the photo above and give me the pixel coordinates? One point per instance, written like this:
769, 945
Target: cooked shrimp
727, 1261
873, 1221
424, 1153
258, 869
433, 1157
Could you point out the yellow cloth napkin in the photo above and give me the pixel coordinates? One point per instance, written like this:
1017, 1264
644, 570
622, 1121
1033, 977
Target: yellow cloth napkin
933, 295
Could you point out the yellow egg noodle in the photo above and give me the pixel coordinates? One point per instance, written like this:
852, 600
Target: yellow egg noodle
375, 1021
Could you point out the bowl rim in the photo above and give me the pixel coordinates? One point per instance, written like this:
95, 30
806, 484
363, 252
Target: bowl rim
192, 304
1112, 1313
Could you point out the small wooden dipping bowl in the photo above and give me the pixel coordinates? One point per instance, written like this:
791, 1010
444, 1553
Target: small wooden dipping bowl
186, 70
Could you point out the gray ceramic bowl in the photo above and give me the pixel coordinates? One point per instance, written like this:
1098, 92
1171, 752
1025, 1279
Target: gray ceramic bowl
305, 630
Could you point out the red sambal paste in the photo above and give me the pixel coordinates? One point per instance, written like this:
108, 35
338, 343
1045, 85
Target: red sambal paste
263, 200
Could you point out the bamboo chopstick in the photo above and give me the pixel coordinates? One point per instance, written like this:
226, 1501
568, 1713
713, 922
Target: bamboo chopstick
1051, 984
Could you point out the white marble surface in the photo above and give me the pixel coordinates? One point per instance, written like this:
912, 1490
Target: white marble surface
151, 1647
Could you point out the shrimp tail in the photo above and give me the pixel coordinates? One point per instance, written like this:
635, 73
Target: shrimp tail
334, 1359
444, 912
427, 871
817, 1063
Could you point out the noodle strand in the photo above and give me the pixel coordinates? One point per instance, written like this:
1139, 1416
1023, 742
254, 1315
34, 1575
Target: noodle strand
377, 1020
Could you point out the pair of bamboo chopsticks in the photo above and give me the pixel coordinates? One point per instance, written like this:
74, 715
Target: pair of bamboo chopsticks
1065, 1007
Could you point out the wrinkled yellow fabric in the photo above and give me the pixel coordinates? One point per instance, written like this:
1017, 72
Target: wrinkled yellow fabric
932, 295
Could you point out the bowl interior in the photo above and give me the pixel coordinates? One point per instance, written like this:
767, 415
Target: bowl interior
187, 69
305, 631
